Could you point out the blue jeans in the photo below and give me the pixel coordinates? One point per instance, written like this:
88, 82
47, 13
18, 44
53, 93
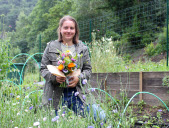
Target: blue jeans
74, 103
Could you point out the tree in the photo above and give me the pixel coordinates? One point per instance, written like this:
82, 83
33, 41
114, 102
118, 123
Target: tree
12, 8
21, 33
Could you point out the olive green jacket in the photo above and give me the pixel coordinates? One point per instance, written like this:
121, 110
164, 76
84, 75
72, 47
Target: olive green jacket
51, 88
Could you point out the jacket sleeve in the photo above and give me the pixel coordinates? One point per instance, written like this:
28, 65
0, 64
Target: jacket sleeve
86, 68
44, 71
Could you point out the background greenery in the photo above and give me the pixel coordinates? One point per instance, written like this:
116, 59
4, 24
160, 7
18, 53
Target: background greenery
135, 24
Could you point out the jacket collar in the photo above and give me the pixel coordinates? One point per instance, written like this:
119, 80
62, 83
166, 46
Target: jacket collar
54, 46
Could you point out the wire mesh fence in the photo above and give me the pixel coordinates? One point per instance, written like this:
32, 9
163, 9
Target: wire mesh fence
134, 27
143, 26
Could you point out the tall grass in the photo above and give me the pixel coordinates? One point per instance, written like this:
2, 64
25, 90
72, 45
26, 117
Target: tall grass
104, 58
23, 109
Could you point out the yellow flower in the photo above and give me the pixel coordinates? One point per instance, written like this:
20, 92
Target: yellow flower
67, 51
60, 67
17, 97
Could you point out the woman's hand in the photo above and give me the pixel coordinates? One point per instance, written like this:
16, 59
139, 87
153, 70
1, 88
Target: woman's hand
60, 79
73, 81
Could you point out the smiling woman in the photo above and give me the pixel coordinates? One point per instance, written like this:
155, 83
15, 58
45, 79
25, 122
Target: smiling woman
68, 39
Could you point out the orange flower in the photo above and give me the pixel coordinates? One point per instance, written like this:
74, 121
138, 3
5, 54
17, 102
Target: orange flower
60, 67
71, 65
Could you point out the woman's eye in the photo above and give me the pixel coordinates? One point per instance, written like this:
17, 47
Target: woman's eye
65, 27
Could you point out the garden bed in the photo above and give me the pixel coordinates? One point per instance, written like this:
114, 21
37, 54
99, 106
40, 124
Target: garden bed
151, 116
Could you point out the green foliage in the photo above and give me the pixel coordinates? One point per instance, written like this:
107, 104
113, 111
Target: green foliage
165, 81
132, 23
4, 63
153, 49
104, 51
141, 103
53, 17
147, 37
110, 61
150, 49
162, 40
127, 57
131, 37
93, 9
12, 8
119, 5
19, 38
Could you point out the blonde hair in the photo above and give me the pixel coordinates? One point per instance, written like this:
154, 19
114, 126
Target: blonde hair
62, 20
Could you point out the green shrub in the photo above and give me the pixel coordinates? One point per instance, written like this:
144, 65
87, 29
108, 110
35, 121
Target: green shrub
147, 37
4, 63
150, 49
113, 35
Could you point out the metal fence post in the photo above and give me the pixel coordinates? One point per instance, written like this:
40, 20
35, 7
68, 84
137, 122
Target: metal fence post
39, 55
90, 31
167, 33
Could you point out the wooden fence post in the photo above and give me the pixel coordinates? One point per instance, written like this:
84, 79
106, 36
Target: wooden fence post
105, 85
140, 85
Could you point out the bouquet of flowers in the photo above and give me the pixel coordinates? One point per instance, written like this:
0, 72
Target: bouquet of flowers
66, 66
66, 62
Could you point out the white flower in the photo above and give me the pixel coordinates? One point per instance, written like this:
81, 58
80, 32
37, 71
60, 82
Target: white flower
115, 111
27, 96
28, 101
109, 39
36, 123
107, 50
18, 97
26, 110
13, 104
18, 113
59, 110
103, 39
44, 119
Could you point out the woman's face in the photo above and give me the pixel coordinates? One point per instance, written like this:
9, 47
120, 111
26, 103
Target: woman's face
68, 30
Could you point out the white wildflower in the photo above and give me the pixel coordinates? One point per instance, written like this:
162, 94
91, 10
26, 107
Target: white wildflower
27, 96
26, 110
45, 118
36, 123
